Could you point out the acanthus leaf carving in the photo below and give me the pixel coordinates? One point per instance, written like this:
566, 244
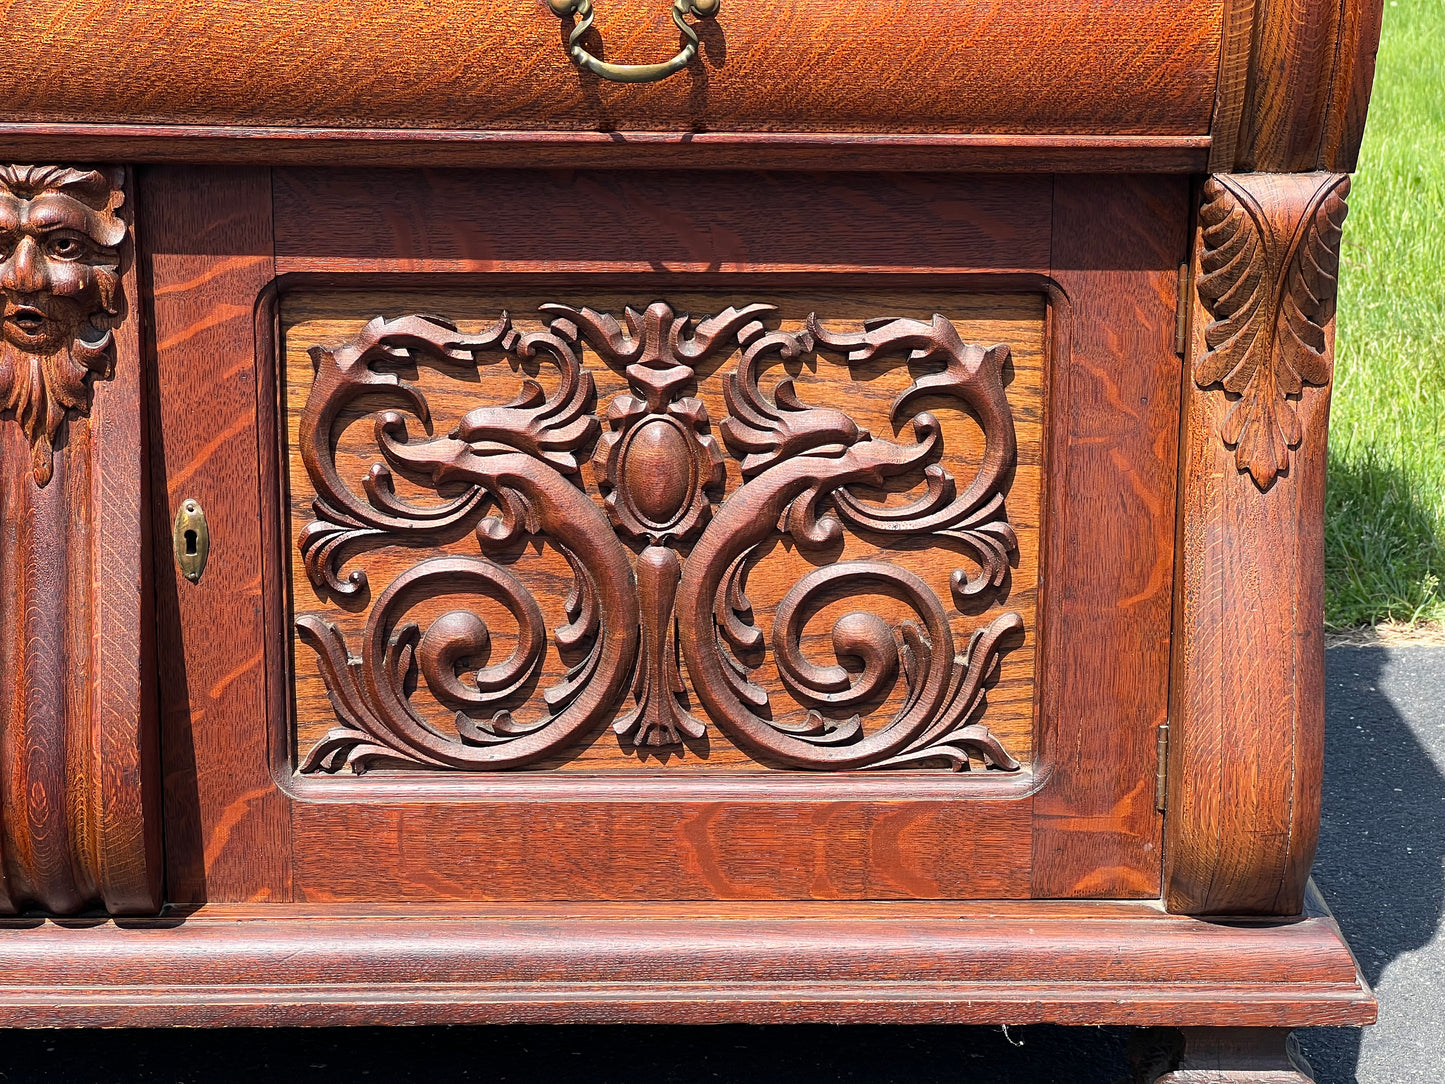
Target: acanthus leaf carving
1269, 264
661, 478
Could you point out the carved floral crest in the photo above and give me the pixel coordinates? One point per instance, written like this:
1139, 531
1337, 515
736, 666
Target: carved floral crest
60, 233
637, 623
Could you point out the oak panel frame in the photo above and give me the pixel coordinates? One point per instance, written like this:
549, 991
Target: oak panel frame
227, 829
928, 841
744, 835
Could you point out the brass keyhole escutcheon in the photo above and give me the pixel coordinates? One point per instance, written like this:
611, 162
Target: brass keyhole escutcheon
191, 539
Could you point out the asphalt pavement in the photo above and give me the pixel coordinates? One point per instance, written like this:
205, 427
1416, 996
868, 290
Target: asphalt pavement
1381, 866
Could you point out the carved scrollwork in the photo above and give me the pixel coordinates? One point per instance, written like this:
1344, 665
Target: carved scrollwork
514, 459
1268, 268
807, 472
802, 460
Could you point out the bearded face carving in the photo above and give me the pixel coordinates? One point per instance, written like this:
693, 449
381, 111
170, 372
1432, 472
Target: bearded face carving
60, 237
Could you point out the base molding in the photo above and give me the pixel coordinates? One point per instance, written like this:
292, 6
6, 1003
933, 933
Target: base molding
1016, 963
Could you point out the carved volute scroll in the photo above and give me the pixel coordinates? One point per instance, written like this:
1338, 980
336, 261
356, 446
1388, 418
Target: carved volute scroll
78, 829
661, 642
1268, 269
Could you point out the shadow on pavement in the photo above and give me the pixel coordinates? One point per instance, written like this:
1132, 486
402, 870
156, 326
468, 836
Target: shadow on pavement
1382, 840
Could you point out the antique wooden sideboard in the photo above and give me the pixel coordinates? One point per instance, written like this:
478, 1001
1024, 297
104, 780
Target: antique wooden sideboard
501, 525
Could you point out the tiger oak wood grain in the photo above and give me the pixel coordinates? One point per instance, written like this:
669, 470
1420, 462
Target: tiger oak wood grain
1003, 167
751, 844
1350, 84
494, 149
516, 458
1294, 84
1249, 651
207, 240
765, 65
1109, 529
906, 860
510, 841
562, 222
125, 766
336, 246
774, 87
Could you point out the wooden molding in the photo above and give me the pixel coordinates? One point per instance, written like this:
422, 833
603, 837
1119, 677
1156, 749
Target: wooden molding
1294, 84
764, 66
681, 962
1246, 733
1160, 86
78, 773
993, 152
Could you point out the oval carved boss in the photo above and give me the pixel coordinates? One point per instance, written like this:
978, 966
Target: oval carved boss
658, 474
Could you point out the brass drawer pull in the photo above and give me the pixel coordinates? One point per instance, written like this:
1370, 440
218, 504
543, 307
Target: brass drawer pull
633, 73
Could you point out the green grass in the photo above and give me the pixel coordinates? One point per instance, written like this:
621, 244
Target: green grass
1385, 509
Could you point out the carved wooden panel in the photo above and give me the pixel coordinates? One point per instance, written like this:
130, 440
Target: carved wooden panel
585, 529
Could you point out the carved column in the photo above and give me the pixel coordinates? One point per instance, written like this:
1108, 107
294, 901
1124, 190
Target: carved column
78, 786
1246, 743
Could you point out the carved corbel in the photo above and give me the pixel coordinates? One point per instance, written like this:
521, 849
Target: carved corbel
1269, 258
78, 787
1246, 735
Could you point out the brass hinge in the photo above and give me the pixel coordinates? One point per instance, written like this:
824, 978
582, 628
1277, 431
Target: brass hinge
1161, 773
1181, 312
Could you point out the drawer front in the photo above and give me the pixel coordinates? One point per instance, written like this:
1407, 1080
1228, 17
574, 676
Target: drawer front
687, 538
1149, 67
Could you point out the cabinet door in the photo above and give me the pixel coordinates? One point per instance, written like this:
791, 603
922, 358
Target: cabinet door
676, 536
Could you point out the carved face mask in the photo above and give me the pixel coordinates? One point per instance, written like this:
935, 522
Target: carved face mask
60, 280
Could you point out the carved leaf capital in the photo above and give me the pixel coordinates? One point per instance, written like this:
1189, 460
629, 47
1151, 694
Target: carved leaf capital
1269, 262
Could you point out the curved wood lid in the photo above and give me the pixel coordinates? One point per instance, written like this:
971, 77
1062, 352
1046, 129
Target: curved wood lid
1137, 80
